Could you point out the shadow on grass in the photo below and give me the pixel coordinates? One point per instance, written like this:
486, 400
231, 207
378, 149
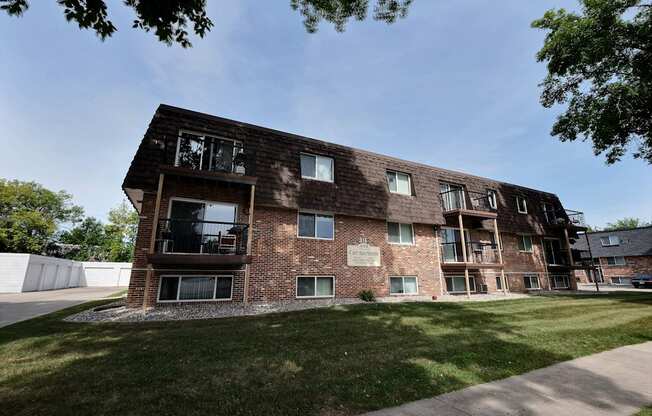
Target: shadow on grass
343, 360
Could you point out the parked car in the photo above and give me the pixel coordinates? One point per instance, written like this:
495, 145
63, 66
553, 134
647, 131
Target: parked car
643, 281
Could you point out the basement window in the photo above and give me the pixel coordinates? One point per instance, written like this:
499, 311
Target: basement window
531, 281
403, 285
189, 288
315, 286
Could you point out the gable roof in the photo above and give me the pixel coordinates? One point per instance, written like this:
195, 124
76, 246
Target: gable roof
633, 242
360, 187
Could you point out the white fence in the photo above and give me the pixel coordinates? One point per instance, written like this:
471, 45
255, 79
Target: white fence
30, 272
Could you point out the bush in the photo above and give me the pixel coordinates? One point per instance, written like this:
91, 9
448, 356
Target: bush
367, 295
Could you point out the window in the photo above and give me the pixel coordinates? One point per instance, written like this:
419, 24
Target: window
197, 151
549, 213
521, 205
317, 167
192, 288
560, 281
403, 285
531, 281
456, 284
616, 261
525, 243
452, 196
492, 199
499, 283
320, 226
620, 280
400, 233
315, 286
610, 240
399, 183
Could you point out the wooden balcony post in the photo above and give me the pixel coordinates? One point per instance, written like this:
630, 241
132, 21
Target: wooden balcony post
250, 237
464, 256
500, 257
152, 243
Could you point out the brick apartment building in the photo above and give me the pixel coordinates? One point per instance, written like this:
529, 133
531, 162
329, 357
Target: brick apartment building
617, 255
235, 212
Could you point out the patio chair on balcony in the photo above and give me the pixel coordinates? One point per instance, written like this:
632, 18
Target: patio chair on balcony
228, 244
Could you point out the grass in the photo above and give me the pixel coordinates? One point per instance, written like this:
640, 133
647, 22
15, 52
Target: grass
645, 412
336, 361
118, 294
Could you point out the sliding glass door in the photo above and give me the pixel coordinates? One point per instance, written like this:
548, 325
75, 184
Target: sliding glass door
194, 225
452, 244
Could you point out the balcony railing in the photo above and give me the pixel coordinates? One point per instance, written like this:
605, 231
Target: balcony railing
476, 252
557, 257
463, 199
565, 217
175, 236
213, 155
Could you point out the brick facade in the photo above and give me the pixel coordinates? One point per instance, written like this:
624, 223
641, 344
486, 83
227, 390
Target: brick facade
635, 265
358, 199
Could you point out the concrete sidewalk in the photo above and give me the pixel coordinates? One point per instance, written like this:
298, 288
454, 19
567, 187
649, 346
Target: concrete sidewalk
16, 307
616, 382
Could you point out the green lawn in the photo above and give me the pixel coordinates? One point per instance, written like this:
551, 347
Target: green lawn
336, 361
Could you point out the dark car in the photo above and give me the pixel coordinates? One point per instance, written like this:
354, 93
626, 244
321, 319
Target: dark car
643, 281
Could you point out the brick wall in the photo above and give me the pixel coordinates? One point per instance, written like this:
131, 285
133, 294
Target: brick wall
280, 256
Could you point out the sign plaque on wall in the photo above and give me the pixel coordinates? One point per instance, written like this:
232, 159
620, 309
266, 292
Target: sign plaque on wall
362, 255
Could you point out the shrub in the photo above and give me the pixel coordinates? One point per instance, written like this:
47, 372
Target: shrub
367, 295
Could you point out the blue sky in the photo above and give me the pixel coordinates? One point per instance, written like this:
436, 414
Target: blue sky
453, 85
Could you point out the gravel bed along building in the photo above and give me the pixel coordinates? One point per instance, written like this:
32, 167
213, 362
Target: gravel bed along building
117, 312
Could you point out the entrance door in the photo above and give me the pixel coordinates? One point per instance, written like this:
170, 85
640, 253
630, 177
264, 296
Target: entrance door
552, 249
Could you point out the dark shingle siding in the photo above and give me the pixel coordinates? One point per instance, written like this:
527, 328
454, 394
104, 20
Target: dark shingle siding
360, 187
633, 242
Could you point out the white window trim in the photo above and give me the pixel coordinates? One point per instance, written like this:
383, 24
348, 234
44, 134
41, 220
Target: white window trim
616, 264
552, 280
396, 172
610, 244
400, 235
181, 276
518, 206
471, 278
202, 136
530, 276
544, 250
493, 198
314, 276
467, 238
416, 280
315, 178
324, 214
531, 250
460, 188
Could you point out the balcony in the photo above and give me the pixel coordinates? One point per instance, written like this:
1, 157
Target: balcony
557, 258
460, 201
210, 157
478, 255
200, 242
565, 218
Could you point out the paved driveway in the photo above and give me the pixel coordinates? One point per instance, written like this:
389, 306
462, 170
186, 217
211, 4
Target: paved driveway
610, 288
16, 307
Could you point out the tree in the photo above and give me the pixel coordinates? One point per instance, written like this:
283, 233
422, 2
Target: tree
599, 63
92, 240
626, 223
169, 20
87, 241
30, 215
121, 232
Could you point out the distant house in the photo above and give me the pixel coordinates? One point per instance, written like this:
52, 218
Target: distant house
618, 255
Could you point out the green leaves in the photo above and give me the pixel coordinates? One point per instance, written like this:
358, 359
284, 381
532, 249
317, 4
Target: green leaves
30, 215
600, 66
